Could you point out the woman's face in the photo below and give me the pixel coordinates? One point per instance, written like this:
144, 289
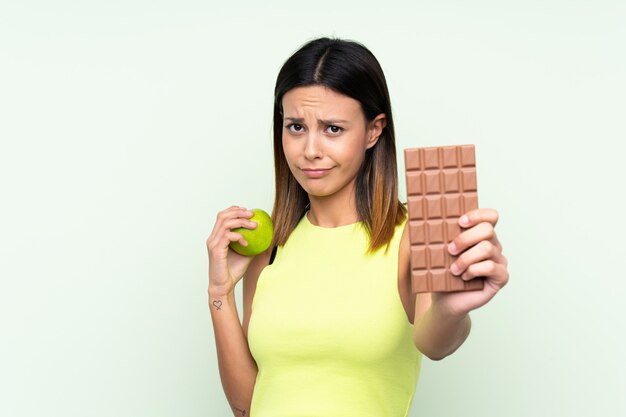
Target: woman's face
325, 136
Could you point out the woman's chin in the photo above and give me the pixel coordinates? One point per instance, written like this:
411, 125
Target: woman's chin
317, 191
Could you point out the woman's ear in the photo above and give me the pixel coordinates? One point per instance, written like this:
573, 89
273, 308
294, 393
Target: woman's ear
375, 129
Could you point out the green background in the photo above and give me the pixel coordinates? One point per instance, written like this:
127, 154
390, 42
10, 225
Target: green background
126, 126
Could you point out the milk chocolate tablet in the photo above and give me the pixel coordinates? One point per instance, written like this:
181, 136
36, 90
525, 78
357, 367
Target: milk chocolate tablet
441, 186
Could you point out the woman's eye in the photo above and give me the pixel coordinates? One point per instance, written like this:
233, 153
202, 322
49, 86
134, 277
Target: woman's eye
334, 129
294, 127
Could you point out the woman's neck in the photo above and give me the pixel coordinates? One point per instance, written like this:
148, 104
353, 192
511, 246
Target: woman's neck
332, 212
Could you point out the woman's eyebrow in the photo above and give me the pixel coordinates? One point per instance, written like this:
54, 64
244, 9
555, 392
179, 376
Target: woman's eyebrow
323, 122
331, 121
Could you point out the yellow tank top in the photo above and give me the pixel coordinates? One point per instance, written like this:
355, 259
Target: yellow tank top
328, 330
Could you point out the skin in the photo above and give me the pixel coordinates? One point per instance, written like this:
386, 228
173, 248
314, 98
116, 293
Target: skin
324, 129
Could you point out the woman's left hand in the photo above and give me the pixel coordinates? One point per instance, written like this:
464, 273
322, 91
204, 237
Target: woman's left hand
480, 255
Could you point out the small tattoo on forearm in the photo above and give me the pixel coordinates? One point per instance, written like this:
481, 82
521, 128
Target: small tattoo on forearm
218, 305
243, 412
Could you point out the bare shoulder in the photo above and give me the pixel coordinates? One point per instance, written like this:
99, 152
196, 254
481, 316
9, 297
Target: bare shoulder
250, 279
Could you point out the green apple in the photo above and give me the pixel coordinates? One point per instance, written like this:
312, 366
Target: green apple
259, 238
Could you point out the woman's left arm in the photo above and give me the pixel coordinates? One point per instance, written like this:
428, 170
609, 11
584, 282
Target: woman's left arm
445, 324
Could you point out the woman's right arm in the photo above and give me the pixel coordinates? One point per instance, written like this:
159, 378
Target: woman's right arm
238, 369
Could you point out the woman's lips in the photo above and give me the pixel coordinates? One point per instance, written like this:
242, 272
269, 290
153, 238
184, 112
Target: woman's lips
316, 173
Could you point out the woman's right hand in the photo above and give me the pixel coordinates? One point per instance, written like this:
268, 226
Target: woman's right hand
226, 267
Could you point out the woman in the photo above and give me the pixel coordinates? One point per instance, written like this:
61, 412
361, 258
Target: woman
330, 325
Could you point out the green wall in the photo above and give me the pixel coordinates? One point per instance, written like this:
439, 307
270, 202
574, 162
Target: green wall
125, 126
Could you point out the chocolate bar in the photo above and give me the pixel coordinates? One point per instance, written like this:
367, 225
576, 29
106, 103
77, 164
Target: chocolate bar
441, 186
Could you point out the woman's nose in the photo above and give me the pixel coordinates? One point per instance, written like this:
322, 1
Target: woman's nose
312, 148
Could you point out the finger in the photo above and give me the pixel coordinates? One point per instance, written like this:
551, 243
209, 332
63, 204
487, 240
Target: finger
470, 237
227, 227
219, 247
224, 233
482, 251
234, 211
496, 242
501, 259
496, 273
479, 215
239, 222
236, 237
224, 216
231, 213
228, 213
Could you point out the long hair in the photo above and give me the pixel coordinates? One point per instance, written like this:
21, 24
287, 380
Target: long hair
349, 68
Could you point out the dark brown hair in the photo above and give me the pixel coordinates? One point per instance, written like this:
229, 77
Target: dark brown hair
348, 68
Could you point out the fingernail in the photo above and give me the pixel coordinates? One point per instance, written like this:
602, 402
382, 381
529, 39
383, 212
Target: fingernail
454, 268
464, 220
452, 248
